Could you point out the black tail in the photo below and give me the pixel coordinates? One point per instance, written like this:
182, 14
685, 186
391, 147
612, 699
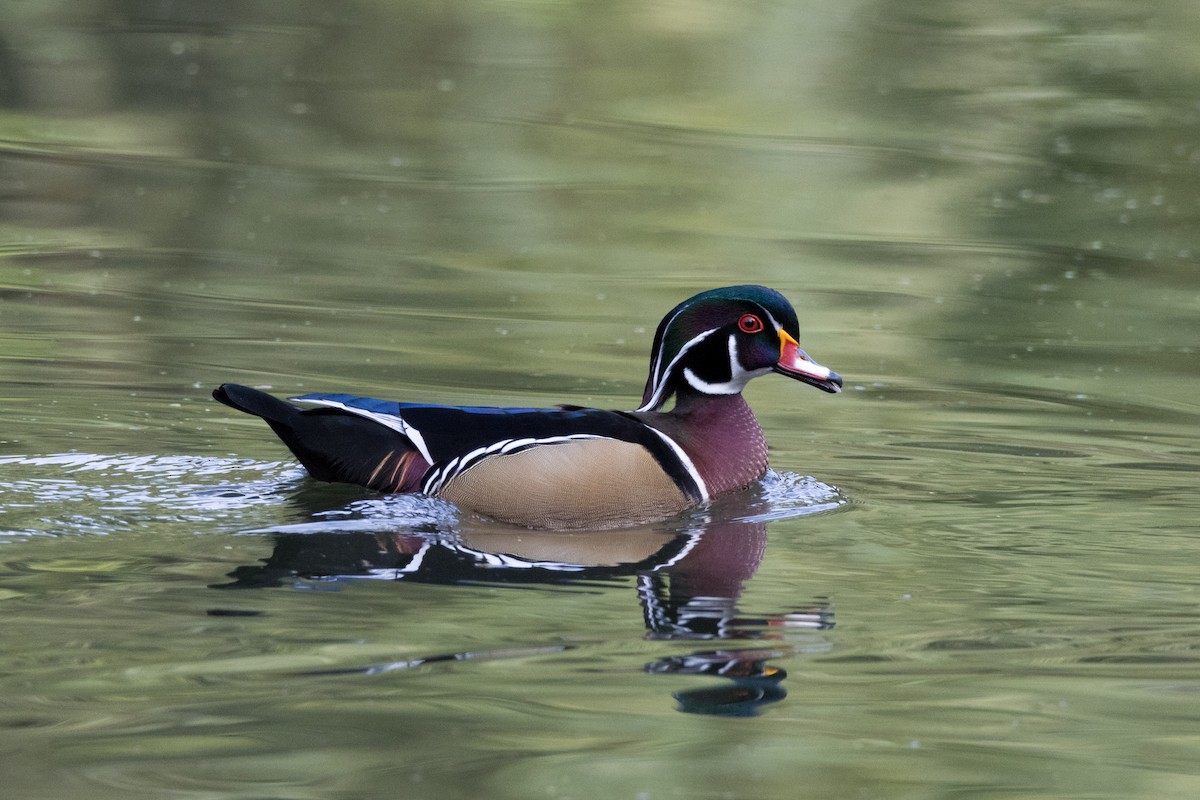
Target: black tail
260, 404
334, 445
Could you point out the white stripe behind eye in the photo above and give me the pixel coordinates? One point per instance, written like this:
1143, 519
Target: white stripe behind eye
656, 360
660, 378
774, 322
659, 374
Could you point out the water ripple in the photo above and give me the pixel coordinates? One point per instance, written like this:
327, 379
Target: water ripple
786, 495
85, 493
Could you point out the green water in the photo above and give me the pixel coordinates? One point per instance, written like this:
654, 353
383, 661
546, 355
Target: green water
977, 566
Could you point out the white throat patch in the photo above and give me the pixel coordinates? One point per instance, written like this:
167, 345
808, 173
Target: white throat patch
739, 376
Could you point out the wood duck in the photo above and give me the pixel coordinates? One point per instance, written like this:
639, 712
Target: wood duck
572, 467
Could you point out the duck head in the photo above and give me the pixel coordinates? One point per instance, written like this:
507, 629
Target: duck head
715, 342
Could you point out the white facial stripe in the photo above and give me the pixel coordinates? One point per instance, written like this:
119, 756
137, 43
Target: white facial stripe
701, 385
656, 362
739, 376
774, 322
392, 421
660, 382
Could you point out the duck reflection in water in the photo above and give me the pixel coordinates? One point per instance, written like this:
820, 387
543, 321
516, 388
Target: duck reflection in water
688, 584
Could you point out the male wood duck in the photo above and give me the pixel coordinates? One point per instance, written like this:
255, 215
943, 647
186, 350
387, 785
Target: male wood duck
572, 467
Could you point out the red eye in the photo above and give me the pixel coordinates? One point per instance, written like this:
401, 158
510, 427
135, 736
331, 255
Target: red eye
750, 324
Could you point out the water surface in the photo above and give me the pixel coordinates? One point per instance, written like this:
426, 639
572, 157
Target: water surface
971, 574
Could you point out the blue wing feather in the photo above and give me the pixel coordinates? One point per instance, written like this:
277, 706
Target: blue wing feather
397, 409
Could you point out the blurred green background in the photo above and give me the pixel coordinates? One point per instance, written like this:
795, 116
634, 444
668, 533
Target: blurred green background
985, 213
